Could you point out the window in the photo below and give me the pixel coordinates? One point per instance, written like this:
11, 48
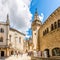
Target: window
52, 27
1, 39
47, 30
55, 25
2, 30
35, 33
43, 33
10, 37
20, 40
58, 23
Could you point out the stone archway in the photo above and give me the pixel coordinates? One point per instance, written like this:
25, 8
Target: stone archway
56, 52
2, 53
47, 52
12, 52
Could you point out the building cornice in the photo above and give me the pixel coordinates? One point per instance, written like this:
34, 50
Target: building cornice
57, 11
17, 31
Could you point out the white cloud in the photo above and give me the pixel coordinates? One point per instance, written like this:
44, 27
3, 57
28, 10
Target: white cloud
41, 17
27, 36
27, 2
18, 11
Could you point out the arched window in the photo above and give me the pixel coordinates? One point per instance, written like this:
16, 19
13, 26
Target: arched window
58, 23
46, 31
56, 52
1, 30
52, 27
1, 39
55, 25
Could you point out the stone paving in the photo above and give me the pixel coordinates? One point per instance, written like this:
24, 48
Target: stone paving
19, 57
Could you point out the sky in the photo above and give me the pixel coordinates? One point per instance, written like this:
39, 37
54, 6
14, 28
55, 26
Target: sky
44, 8
21, 12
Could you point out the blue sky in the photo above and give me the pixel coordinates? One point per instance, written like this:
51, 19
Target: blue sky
43, 6
21, 12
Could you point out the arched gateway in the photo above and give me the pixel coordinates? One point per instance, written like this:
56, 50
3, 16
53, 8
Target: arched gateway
56, 52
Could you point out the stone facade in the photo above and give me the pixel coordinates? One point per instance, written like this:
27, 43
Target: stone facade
11, 40
49, 34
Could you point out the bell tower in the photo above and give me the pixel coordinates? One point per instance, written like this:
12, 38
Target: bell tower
36, 24
7, 29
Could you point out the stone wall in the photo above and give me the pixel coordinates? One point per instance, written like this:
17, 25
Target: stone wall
36, 58
51, 39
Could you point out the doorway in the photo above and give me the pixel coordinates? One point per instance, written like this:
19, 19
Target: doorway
47, 52
12, 52
2, 53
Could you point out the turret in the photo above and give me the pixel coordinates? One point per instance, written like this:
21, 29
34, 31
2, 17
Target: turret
36, 15
7, 21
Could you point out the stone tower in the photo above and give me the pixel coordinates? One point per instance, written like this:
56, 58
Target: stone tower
35, 28
7, 29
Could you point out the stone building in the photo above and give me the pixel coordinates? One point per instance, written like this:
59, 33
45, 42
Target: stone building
11, 40
47, 37
28, 45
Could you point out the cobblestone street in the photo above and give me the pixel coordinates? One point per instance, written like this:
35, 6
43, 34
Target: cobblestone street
19, 57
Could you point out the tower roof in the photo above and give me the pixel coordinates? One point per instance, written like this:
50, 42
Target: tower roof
36, 19
7, 21
36, 12
36, 15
